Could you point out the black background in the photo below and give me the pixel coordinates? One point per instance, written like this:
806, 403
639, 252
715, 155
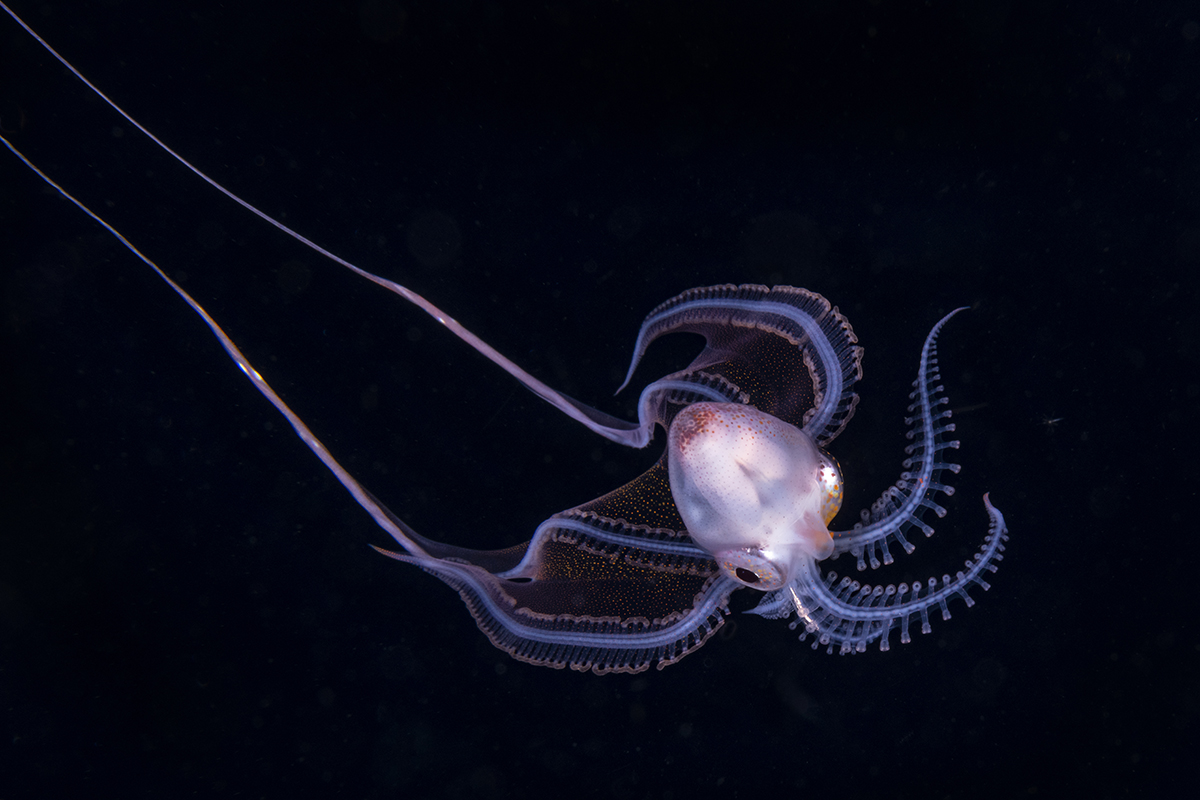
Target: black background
187, 601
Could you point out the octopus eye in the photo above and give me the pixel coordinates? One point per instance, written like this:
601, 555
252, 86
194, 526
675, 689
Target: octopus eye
752, 568
830, 479
745, 575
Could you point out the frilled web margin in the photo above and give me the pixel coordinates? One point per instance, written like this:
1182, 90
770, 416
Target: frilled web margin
599, 644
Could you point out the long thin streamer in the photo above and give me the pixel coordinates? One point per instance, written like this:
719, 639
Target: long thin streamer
377, 512
626, 433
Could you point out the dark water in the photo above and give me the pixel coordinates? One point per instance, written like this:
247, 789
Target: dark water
187, 600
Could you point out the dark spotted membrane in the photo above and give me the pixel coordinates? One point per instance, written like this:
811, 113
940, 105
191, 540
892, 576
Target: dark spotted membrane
616, 584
